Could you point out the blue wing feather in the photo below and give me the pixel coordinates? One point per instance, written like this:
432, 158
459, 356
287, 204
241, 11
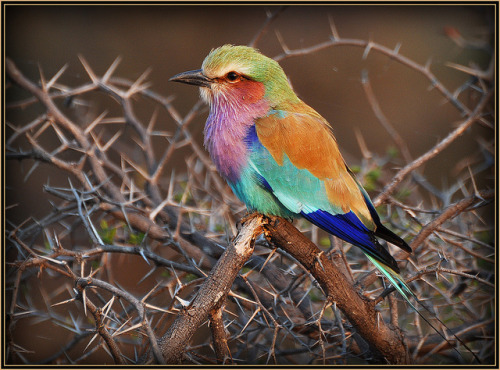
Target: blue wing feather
348, 227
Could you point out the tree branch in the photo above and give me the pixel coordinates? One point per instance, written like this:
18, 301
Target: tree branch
213, 290
360, 312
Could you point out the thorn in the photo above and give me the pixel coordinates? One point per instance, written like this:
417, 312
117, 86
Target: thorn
59, 133
56, 76
183, 302
397, 48
148, 274
111, 69
58, 243
94, 337
43, 82
133, 327
427, 66
364, 76
362, 144
107, 306
474, 186
154, 213
249, 321
367, 50
112, 140
335, 34
94, 231
92, 273
282, 42
84, 299
141, 252
318, 258
95, 122
136, 86
31, 171
267, 259
53, 260
136, 167
89, 71
64, 302
152, 121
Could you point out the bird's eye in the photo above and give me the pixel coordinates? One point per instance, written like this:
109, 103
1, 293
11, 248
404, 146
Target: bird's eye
232, 76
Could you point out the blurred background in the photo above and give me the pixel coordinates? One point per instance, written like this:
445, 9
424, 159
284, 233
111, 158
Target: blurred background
172, 39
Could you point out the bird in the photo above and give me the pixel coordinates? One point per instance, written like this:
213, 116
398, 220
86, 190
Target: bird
280, 157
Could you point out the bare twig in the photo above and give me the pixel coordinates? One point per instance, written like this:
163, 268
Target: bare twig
117, 210
211, 293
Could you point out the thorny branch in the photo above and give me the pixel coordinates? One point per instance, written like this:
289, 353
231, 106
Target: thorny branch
112, 213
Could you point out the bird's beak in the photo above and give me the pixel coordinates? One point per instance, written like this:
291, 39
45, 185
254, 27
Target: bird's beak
196, 78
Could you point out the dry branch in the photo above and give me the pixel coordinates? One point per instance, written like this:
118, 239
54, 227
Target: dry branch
293, 301
212, 293
386, 341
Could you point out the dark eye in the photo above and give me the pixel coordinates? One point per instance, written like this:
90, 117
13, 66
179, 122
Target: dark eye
232, 76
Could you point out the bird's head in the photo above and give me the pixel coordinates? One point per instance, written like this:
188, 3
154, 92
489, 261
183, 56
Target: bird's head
241, 73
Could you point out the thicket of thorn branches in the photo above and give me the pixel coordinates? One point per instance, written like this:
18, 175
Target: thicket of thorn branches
122, 208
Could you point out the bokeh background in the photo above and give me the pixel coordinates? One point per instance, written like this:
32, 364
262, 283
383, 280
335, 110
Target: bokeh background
171, 39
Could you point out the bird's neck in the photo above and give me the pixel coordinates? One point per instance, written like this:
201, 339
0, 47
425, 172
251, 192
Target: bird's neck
232, 114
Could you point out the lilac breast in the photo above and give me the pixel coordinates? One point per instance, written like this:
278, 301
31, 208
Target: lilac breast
227, 126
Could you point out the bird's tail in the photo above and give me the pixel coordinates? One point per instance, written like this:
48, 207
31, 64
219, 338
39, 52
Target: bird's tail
396, 280
400, 285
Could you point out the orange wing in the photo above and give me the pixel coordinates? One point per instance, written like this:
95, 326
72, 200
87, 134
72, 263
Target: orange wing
306, 139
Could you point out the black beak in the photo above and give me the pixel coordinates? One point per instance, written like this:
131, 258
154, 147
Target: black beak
196, 78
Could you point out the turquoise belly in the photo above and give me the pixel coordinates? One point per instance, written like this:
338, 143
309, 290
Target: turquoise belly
251, 190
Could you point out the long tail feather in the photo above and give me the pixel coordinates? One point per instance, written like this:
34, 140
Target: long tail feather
400, 285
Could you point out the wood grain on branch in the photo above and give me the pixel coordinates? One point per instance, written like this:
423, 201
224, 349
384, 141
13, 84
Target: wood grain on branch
213, 290
384, 340
219, 338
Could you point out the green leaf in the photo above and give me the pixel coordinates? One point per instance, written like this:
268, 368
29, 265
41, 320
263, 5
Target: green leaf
374, 174
403, 193
107, 233
136, 238
165, 274
355, 168
315, 296
325, 241
392, 152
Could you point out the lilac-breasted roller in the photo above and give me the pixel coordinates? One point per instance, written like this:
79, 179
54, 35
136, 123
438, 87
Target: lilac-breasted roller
279, 155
